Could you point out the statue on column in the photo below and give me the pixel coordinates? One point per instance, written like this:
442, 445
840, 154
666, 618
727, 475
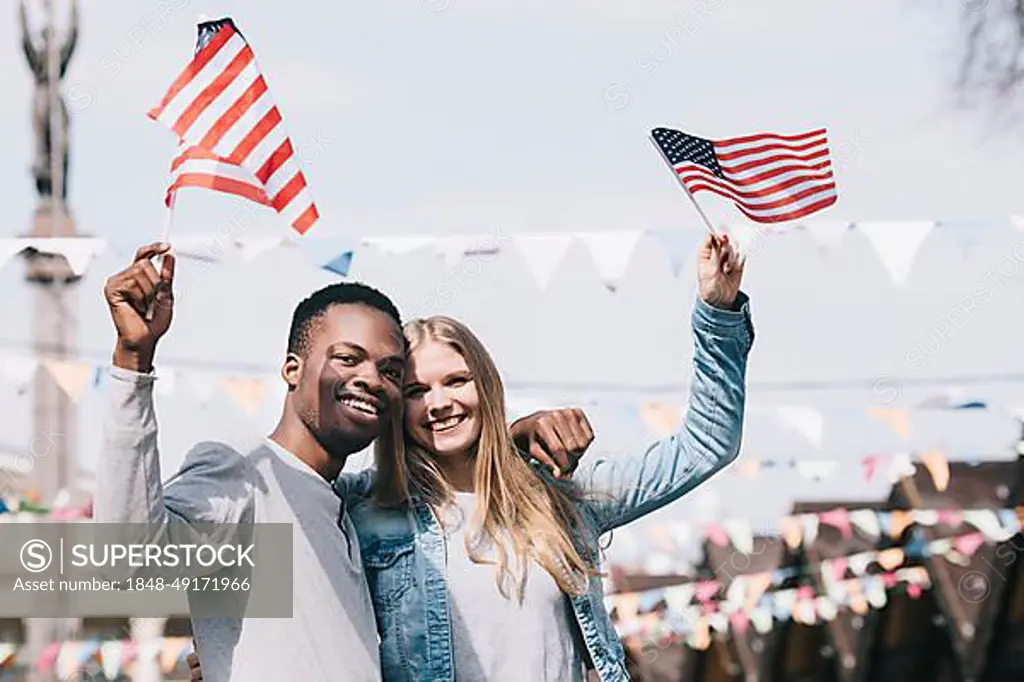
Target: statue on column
39, 51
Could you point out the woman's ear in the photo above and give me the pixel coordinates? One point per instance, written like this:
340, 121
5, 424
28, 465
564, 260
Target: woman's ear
290, 370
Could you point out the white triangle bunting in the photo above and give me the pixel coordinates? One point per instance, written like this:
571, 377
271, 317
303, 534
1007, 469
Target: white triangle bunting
827, 233
112, 653
897, 243
816, 470
399, 245
246, 391
78, 251
612, 251
741, 534
253, 247
866, 520
543, 253
807, 421
71, 375
203, 384
18, 370
9, 248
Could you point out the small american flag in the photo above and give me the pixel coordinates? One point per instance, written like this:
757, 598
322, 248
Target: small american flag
770, 178
231, 131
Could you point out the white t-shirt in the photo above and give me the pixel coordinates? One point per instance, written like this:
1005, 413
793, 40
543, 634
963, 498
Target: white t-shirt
498, 639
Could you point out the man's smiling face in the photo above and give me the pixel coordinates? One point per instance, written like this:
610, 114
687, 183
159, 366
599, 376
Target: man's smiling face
350, 380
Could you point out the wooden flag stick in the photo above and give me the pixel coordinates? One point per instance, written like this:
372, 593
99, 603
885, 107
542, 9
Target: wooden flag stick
711, 228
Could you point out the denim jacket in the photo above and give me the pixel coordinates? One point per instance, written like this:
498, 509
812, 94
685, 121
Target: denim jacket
404, 550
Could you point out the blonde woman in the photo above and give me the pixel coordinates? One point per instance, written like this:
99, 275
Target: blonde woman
479, 569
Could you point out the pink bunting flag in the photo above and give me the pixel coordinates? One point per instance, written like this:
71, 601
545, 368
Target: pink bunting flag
716, 534
838, 566
839, 518
706, 589
804, 592
889, 579
129, 652
969, 544
739, 622
914, 590
48, 658
950, 517
871, 464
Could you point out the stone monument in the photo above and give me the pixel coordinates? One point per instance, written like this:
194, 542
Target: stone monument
51, 284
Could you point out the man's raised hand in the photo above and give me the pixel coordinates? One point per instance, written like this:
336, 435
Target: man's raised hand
131, 294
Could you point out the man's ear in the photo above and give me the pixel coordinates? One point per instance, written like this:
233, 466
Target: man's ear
291, 369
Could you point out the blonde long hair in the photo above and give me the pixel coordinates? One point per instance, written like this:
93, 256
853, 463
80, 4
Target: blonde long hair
517, 510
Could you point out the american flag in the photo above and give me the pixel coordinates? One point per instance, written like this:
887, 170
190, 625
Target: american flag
231, 131
770, 178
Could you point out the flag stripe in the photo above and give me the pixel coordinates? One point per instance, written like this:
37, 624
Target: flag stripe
220, 183
306, 220
775, 171
770, 148
786, 199
276, 160
693, 173
217, 167
297, 206
189, 72
756, 164
220, 60
758, 212
284, 174
255, 136
211, 93
252, 93
761, 185
192, 153
221, 104
288, 192
794, 214
761, 137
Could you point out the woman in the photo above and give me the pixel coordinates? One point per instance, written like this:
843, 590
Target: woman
481, 569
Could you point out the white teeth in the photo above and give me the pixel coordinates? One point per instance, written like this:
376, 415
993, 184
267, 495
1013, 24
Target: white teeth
361, 405
444, 424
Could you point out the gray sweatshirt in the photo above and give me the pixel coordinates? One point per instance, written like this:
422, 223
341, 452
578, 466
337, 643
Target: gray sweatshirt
332, 635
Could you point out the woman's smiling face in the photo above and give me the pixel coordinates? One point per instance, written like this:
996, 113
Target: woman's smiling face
442, 407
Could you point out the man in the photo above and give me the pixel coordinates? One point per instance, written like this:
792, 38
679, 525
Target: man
343, 369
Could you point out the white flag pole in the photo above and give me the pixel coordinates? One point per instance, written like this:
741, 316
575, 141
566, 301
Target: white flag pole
711, 228
165, 237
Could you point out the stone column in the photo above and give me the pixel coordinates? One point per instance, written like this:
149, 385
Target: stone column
147, 632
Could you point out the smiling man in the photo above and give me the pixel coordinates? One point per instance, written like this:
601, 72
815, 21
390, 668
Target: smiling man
343, 369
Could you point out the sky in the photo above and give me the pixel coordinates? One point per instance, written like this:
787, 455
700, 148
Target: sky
444, 117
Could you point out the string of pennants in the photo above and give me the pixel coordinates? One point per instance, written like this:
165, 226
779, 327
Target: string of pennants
27, 505
692, 609
693, 623
75, 375
996, 525
810, 422
113, 657
896, 243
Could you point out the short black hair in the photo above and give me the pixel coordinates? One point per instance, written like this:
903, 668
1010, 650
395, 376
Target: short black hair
313, 308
